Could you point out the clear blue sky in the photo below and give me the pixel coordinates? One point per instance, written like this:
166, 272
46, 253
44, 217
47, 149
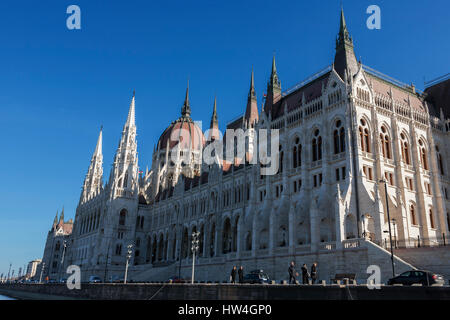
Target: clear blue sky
58, 86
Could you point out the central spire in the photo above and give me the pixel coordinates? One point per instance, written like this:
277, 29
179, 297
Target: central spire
186, 110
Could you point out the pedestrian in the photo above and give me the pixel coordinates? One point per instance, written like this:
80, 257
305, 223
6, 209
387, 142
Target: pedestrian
233, 275
292, 273
305, 275
241, 274
314, 272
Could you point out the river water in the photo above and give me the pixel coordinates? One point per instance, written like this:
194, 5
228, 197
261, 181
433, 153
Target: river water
6, 298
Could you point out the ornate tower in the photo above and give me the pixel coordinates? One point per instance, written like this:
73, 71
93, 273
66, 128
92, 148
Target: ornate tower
273, 89
93, 183
124, 175
345, 59
251, 113
214, 125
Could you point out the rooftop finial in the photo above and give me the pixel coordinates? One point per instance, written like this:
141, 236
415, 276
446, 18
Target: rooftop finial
186, 110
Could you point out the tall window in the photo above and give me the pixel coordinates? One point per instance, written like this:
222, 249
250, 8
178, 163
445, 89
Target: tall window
412, 211
364, 136
297, 154
339, 138
423, 154
439, 161
385, 144
122, 217
431, 219
281, 156
405, 149
316, 146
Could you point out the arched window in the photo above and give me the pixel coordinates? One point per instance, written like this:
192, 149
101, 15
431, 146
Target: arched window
122, 217
297, 154
281, 156
405, 149
432, 225
412, 212
448, 221
439, 161
339, 138
385, 143
423, 154
364, 136
316, 146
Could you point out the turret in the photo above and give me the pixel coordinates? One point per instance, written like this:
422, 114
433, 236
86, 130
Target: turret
124, 175
273, 89
345, 56
251, 112
93, 183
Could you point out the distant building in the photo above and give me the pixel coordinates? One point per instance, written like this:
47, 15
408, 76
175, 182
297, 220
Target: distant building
32, 268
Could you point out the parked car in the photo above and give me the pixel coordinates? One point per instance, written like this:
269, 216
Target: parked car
177, 279
256, 276
115, 279
94, 279
423, 277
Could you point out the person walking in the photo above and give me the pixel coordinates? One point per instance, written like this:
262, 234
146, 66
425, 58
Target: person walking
314, 272
233, 275
305, 275
292, 273
241, 274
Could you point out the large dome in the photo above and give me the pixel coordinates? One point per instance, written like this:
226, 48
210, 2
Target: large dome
185, 132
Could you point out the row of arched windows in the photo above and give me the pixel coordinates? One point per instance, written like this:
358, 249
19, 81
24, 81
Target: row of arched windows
90, 222
386, 149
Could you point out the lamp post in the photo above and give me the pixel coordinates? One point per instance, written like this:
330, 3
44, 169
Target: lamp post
42, 270
395, 233
61, 265
129, 252
389, 224
194, 248
9, 272
106, 261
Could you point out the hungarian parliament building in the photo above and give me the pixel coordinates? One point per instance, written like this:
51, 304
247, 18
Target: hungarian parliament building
363, 159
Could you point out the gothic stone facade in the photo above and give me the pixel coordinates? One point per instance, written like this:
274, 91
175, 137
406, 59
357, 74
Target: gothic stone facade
341, 132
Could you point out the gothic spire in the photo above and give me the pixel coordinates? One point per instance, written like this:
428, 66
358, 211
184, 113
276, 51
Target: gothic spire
345, 55
93, 181
214, 126
131, 113
55, 221
61, 218
273, 88
214, 114
124, 173
251, 112
186, 110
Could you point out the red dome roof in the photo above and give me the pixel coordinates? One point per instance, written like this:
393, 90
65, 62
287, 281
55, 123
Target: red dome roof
185, 131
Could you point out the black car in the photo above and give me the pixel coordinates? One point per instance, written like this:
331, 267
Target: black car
256, 276
423, 277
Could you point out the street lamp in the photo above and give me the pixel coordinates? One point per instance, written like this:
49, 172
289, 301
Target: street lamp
42, 270
61, 265
389, 223
9, 272
129, 252
194, 248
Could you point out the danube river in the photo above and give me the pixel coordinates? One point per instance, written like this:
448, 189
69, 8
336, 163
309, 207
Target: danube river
5, 298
